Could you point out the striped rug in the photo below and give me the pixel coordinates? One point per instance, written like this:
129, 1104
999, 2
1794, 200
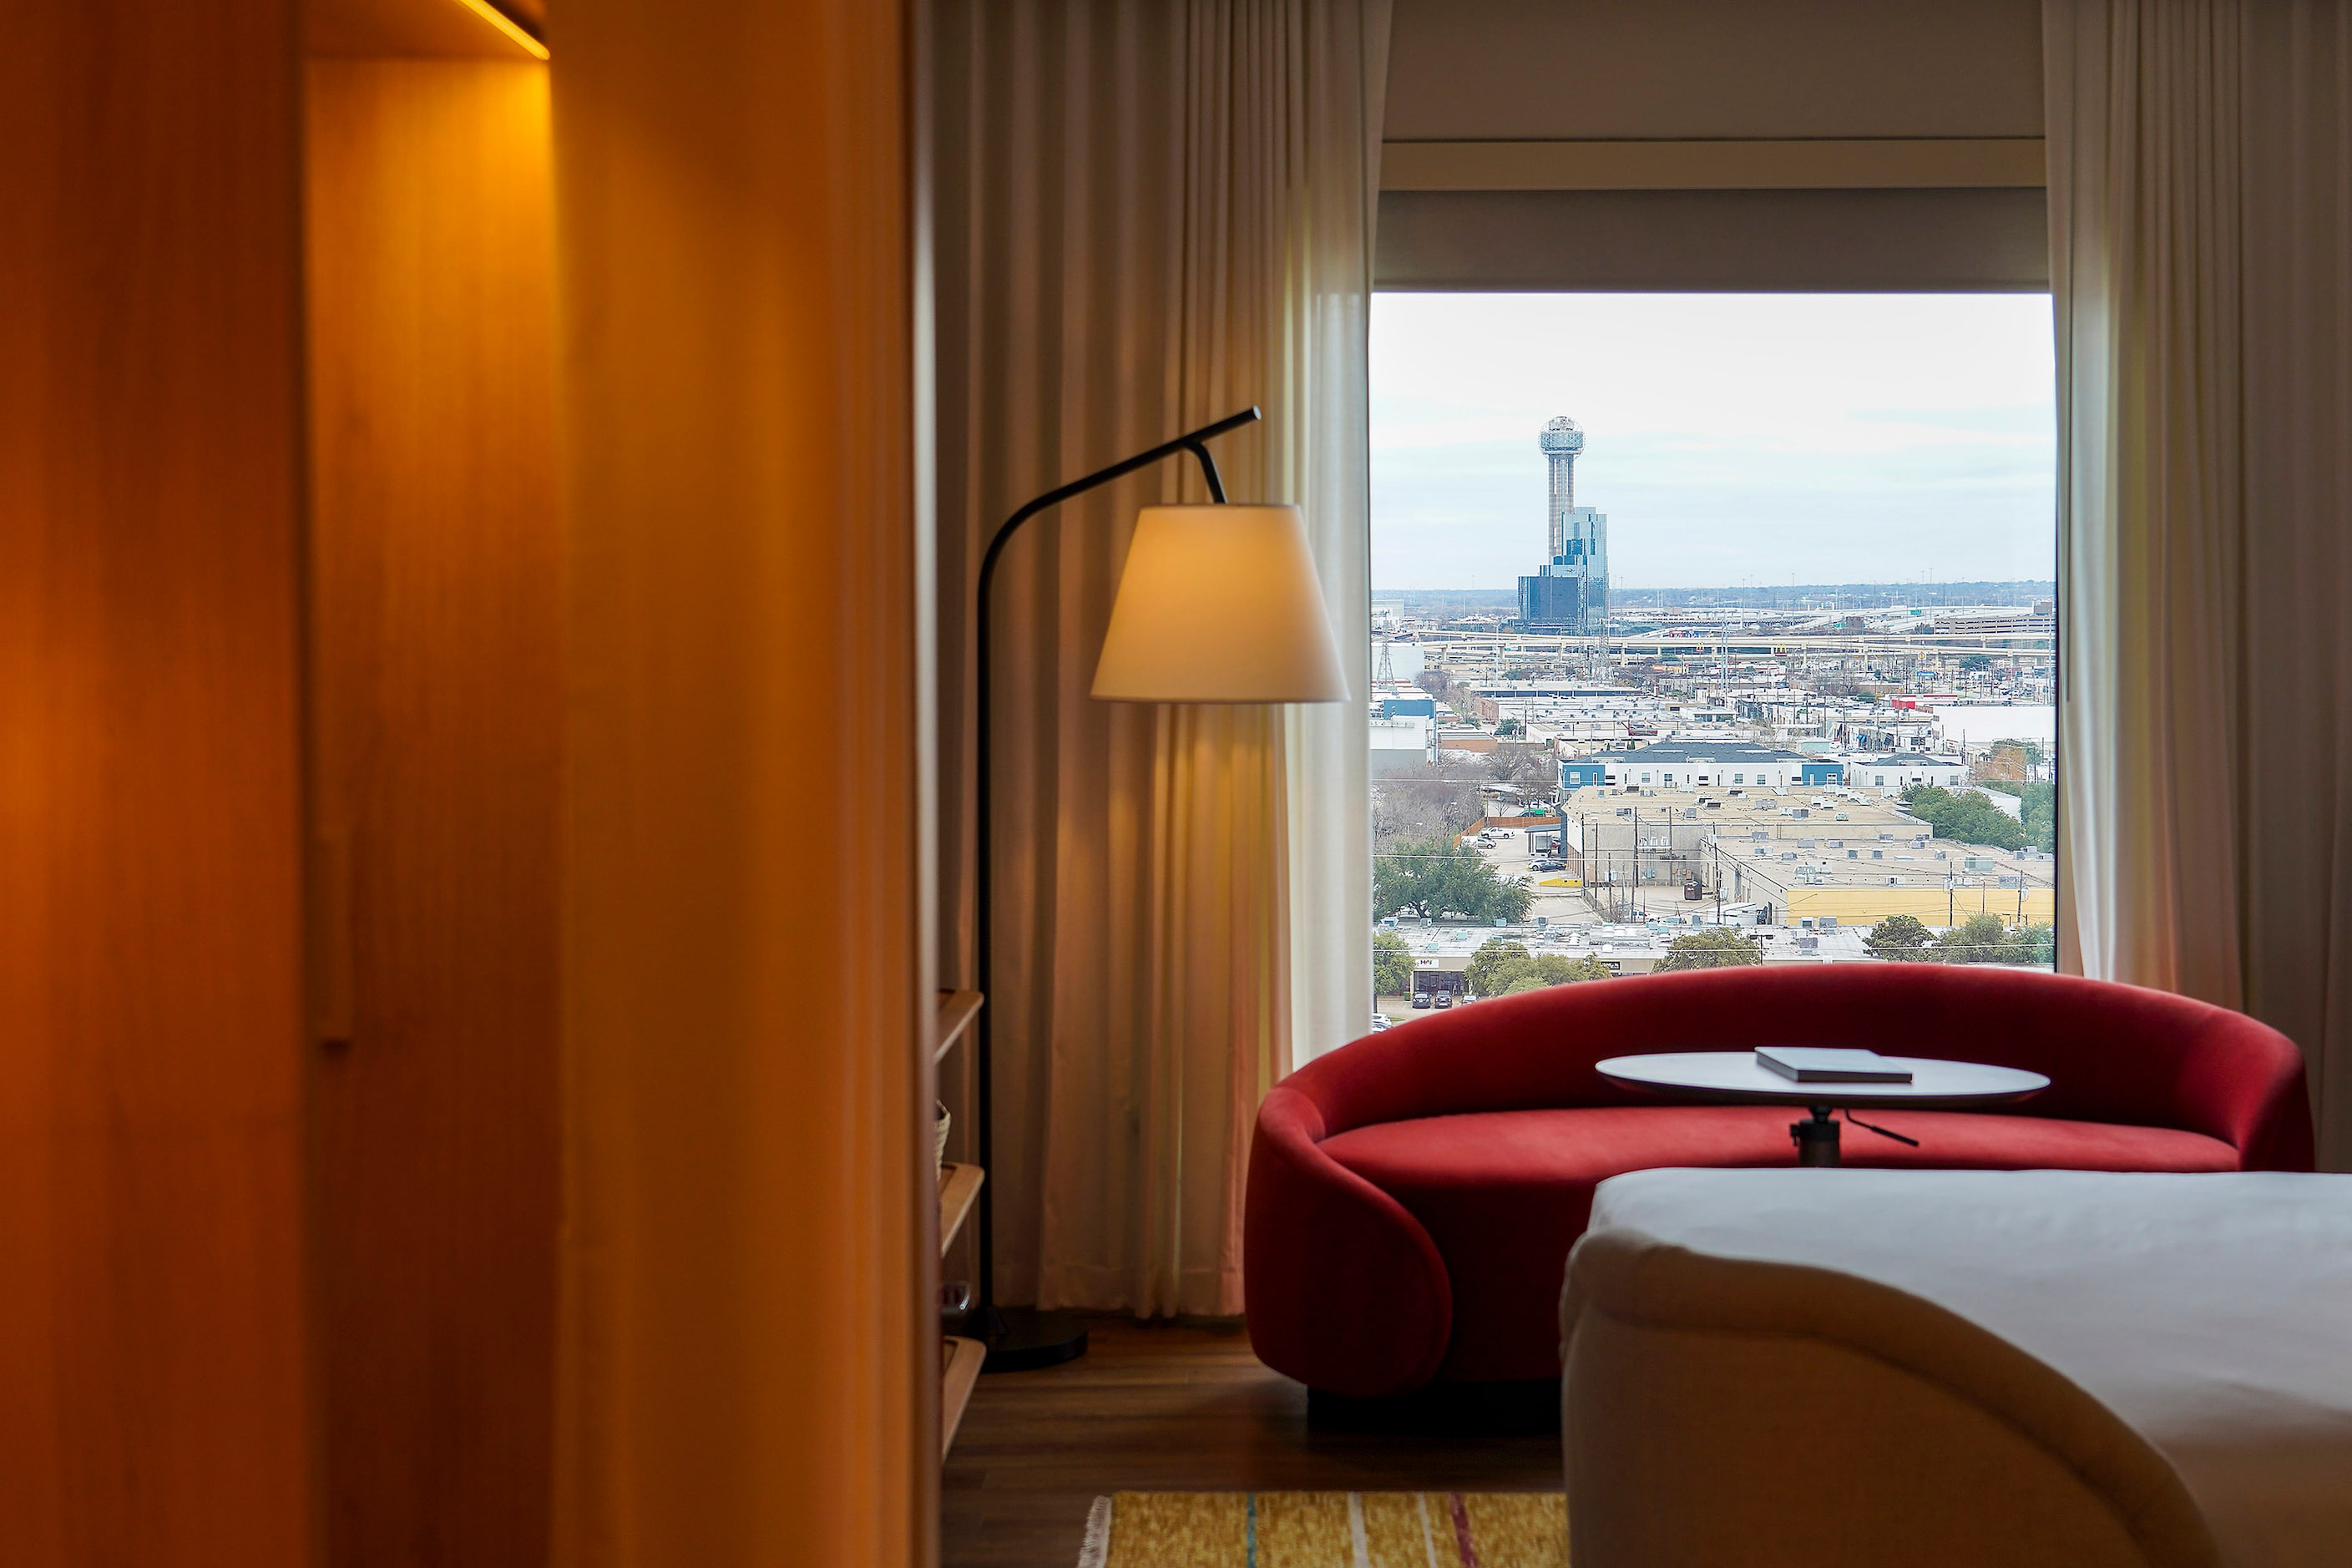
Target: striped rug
1327, 1529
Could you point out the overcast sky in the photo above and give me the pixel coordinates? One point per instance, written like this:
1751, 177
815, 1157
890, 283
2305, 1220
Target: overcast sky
1729, 437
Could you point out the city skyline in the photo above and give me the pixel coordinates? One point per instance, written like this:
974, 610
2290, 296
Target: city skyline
1732, 438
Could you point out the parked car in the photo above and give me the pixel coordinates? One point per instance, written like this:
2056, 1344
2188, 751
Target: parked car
1445, 999
1380, 1022
1551, 865
1421, 999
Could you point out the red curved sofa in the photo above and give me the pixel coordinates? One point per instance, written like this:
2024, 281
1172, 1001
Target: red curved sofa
1413, 1197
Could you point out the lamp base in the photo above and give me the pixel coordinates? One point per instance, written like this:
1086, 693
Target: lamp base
1024, 1339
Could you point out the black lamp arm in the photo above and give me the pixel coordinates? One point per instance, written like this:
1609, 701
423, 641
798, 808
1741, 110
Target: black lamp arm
984, 1313
1194, 442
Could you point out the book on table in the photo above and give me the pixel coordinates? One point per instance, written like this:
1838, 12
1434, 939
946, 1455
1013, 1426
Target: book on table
1822, 1064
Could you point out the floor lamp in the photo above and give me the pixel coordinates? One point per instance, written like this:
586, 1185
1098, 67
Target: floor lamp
1216, 604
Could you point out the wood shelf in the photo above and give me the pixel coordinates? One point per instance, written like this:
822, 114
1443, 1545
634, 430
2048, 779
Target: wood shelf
959, 1359
959, 1369
957, 1010
959, 1185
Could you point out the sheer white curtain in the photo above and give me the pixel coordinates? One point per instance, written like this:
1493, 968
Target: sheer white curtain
2200, 226
1151, 213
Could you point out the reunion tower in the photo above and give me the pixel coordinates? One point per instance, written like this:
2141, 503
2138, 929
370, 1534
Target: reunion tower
1569, 592
1561, 441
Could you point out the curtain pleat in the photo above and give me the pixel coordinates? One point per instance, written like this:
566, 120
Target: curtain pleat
2199, 153
1124, 195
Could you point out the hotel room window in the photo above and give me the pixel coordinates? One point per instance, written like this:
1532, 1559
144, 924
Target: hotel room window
1810, 533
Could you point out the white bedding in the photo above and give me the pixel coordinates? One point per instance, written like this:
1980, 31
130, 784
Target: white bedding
2213, 1314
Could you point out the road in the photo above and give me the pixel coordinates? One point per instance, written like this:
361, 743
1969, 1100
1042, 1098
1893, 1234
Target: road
1557, 906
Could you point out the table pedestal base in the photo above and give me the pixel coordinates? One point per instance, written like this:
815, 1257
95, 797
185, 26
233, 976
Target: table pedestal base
1817, 1138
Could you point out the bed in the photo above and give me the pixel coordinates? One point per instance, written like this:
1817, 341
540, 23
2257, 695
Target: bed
1948, 1367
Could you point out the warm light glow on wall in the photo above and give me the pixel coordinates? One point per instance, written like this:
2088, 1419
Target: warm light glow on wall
505, 24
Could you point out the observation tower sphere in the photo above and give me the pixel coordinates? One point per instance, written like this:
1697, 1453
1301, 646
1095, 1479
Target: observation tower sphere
1561, 435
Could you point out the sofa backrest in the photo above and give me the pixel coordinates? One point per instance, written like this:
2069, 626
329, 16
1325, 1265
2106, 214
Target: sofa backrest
2113, 1053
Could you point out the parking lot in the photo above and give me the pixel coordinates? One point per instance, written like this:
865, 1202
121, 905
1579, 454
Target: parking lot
1558, 904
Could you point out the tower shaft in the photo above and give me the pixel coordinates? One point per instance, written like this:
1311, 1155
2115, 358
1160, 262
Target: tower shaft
1563, 500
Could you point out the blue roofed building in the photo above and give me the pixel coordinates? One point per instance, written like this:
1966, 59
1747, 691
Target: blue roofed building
1582, 771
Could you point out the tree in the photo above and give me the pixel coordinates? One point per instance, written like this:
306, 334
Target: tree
1980, 938
1402, 884
1558, 969
1503, 968
1510, 727
1713, 947
1427, 801
1508, 763
1391, 966
2034, 944
1975, 661
1969, 817
1497, 965
2039, 811
1897, 937
1432, 878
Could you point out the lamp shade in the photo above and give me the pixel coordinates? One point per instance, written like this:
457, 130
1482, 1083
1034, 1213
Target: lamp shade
1219, 603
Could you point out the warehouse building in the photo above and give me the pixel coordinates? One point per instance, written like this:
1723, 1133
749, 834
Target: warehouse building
1694, 764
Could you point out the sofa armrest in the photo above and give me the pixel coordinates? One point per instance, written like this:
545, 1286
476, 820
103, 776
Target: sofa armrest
1344, 1289
2247, 1084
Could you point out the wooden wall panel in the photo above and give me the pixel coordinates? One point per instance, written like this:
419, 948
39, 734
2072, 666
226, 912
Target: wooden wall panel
437, 717
152, 1356
746, 1318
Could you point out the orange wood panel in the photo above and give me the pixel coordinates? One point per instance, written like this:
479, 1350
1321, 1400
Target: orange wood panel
436, 731
751, 1354
154, 1389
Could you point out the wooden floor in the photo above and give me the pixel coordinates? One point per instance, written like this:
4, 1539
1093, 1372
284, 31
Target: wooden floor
1154, 1407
